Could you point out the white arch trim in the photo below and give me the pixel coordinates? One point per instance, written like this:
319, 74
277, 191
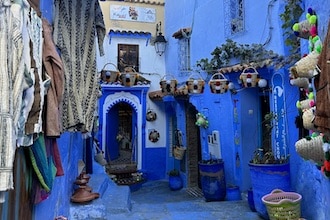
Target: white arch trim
134, 101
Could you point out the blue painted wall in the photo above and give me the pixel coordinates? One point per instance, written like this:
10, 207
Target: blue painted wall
71, 147
206, 18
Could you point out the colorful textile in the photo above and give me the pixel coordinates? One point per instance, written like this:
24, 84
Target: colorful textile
76, 25
54, 153
43, 165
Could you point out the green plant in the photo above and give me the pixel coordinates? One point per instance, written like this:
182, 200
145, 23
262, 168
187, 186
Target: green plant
244, 53
291, 14
264, 154
174, 172
211, 161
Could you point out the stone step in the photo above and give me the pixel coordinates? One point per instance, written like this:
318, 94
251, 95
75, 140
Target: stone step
113, 199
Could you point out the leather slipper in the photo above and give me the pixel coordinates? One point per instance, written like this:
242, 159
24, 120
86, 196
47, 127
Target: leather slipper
81, 196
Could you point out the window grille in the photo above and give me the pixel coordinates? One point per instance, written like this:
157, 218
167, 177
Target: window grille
184, 54
234, 17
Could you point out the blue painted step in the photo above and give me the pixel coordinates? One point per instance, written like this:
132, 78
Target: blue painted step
113, 198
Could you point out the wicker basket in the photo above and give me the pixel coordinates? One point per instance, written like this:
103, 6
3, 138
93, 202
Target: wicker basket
218, 83
168, 84
129, 77
195, 84
178, 152
282, 205
311, 149
249, 77
109, 76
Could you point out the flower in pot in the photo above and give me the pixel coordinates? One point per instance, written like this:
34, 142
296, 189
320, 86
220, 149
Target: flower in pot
268, 171
175, 181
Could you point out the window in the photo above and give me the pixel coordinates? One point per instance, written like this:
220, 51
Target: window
234, 14
184, 54
128, 56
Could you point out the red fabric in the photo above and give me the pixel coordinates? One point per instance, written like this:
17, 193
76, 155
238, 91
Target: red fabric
53, 151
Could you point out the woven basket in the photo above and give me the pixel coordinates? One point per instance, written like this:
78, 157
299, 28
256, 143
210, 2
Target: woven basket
129, 78
305, 66
109, 76
195, 84
218, 83
308, 118
249, 77
178, 152
168, 84
311, 149
282, 205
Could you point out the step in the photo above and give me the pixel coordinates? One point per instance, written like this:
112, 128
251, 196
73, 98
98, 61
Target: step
113, 199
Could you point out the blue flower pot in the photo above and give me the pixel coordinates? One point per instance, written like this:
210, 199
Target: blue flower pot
175, 182
213, 181
265, 178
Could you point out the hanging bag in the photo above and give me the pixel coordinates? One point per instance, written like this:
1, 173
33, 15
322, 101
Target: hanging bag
249, 77
219, 83
168, 84
195, 83
109, 76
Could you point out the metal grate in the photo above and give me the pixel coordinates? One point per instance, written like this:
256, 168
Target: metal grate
195, 192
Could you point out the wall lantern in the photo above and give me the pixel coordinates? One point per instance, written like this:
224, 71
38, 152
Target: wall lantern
160, 42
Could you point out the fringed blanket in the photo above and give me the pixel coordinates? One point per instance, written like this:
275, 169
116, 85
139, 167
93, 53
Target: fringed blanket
76, 25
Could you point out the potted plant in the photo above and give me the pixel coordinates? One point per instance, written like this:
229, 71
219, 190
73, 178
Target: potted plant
175, 181
267, 171
213, 181
231, 53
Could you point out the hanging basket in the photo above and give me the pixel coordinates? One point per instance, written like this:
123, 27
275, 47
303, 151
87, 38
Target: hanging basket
282, 205
195, 83
178, 152
168, 84
249, 77
109, 76
311, 149
129, 78
219, 83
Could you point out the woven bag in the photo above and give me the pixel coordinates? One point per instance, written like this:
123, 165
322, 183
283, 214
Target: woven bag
308, 118
311, 149
305, 66
168, 84
219, 83
250, 77
195, 83
109, 76
282, 205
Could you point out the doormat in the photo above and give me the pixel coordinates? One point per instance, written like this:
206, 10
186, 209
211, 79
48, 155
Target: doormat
195, 192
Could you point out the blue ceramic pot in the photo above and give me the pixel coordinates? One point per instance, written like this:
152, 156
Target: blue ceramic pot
175, 182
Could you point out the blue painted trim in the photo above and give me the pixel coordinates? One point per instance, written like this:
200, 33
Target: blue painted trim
129, 34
